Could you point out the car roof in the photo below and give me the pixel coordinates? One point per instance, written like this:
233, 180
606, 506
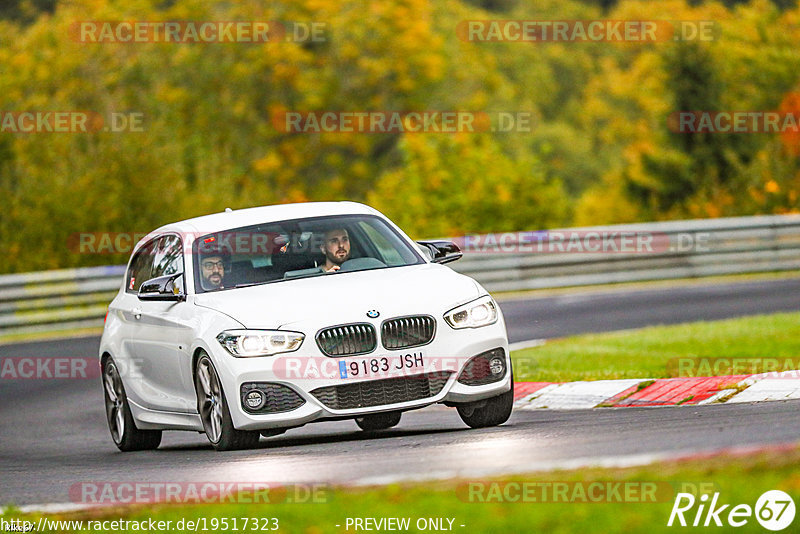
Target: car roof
226, 220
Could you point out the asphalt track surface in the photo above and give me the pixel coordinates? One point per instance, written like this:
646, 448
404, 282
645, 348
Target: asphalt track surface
53, 434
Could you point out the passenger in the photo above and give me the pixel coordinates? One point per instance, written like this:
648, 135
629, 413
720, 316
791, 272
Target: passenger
212, 269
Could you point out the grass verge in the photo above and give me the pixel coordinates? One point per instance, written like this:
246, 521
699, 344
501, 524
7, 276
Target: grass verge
29, 337
501, 296
652, 352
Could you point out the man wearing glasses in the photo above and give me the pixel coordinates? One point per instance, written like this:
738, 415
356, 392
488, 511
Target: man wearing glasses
212, 269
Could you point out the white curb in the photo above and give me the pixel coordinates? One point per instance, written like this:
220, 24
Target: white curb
577, 395
768, 389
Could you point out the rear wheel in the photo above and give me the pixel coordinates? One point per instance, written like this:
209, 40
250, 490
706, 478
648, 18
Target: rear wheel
214, 413
118, 414
488, 412
379, 421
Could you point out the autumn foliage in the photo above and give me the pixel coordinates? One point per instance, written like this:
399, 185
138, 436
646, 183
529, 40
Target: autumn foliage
599, 149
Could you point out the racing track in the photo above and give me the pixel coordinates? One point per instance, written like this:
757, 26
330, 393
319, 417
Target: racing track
54, 433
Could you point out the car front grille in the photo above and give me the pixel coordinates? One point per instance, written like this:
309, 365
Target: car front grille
405, 332
347, 340
279, 398
381, 392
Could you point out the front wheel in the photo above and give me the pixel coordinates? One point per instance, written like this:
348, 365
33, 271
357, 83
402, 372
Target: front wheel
489, 412
214, 413
379, 421
118, 414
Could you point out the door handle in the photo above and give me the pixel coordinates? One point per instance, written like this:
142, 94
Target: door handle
137, 313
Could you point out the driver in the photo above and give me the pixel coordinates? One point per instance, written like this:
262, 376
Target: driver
212, 268
336, 247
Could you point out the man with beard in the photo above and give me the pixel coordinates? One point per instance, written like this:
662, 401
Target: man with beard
336, 247
212, 268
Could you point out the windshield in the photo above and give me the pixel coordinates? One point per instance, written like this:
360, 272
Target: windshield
301, 248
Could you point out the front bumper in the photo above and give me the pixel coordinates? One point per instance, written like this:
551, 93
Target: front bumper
306, 371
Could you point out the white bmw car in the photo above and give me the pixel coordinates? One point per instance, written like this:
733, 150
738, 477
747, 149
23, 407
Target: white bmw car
246, 323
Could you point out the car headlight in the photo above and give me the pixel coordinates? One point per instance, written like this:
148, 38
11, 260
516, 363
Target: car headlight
250, 343
480, 312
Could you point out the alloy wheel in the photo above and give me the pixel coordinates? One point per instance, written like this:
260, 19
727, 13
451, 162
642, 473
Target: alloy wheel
114, 402
210, 400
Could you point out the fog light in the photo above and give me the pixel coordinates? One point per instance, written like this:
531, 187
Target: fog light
496, 366
255, 400
485, 368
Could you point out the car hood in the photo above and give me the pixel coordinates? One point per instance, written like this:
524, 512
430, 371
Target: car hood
345, 297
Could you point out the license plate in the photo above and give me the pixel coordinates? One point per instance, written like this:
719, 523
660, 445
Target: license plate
394, 365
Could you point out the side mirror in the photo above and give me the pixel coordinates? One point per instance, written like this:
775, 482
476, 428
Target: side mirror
441, 251
162, 288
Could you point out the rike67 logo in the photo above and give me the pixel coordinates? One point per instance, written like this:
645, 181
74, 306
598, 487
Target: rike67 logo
774, 510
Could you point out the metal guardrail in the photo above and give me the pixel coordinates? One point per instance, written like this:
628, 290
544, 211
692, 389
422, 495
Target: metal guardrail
679, 249
70, 299
49, 301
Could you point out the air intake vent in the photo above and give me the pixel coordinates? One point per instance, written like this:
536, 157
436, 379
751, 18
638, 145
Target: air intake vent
381, 392
347, 340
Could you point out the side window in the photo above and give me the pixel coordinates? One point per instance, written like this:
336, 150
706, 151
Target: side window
167, 257
140, 268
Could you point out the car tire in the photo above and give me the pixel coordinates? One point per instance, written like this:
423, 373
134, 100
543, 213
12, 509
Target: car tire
119, 417
214, 412
488, 412
379, 421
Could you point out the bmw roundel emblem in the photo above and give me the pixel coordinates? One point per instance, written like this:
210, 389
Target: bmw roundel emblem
372, 314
